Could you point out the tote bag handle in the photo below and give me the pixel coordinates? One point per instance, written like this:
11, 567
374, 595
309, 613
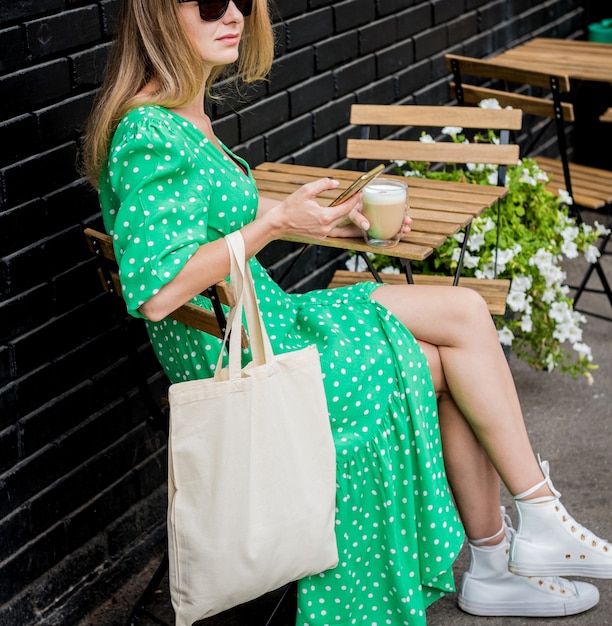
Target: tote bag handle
242, 283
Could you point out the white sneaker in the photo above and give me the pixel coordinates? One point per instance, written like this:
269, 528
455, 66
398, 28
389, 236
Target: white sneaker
550, 542
488, 588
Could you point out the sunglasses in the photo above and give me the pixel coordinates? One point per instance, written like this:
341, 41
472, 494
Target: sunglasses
213, 10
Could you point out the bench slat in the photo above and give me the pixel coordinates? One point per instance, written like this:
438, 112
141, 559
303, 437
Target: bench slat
493, 291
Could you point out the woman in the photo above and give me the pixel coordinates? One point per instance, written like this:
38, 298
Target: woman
425, 372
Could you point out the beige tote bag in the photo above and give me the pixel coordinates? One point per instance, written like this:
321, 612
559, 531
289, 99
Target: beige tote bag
252, 470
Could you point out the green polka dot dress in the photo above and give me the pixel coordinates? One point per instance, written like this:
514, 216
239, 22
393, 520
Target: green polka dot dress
166, 191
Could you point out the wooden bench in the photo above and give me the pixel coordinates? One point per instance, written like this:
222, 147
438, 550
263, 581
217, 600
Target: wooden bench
493, 291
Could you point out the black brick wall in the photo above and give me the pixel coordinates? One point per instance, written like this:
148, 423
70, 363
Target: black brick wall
82, 475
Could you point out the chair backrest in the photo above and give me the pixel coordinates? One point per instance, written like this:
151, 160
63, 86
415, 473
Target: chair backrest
211, 322
509, 82
434, 117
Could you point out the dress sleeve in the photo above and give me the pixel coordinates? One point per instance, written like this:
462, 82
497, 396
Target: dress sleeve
158, 193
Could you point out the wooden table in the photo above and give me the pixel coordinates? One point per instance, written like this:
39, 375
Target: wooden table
580, 60
439, 209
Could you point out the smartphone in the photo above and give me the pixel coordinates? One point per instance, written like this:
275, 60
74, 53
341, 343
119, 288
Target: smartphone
359, 184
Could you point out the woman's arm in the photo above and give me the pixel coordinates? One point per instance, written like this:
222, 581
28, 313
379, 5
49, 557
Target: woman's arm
298, 214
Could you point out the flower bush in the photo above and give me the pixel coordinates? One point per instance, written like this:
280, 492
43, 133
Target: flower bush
536, 234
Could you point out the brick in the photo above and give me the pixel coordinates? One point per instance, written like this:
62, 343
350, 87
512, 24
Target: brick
491, 15
429, 43
463, 28
226, 129
52, 419
446, 10
352, 76
351, 14
63, 121
287, 138
33, 87
310, 94
414, 21
291, 69
33, 560
12, 52
332, 116
13, 11
336, 50
18, 139
378, 92
88, 66
263, 116
288, 8
413, 78
319, 153
110, 13
40, 174
8, 454
64, 31
21, 226
378, 35
309, 28
5, 362
386, 7
394, 58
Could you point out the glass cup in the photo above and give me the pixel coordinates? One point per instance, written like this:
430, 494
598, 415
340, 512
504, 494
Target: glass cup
384, 203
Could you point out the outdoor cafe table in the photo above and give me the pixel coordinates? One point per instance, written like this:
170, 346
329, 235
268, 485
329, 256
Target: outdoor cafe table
580, 60
439, 209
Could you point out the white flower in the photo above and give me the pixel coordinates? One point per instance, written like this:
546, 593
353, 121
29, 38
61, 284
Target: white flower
505, 256
600, 228
476, 240
487, 271
564, 197
516, 300
560, 312
453, 131
527, 178
426, 138
592, 253
583, 350
390, 270
362, 266
521, 283
526, 323
399, 163
570, 232
493, 178
470, 261
475, 167
570, 249
489, 103
505, 336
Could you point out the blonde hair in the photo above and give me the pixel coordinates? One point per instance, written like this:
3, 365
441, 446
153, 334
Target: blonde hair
151, 43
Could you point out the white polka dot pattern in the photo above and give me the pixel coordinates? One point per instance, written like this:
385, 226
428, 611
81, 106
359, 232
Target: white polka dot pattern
166, 192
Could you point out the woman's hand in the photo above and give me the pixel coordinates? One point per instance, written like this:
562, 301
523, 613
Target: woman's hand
301, 214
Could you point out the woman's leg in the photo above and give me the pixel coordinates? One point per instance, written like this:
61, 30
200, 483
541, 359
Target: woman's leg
488, 587
472, 478
479, 381
548, 541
